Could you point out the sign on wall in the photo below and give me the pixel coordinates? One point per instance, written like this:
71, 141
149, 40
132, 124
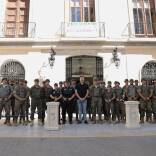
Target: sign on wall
82, 29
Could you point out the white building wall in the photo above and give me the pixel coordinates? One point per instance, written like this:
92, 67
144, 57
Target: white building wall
2, 10
115, 14
48, 15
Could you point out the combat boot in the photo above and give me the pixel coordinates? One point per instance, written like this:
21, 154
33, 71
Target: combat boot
150, 119
15, 123
93, 119
32, 123
8, 123
142, 120
40, 123
5, 122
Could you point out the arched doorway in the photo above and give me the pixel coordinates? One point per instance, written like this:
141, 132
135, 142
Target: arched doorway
89, 66
148, 71
12, 70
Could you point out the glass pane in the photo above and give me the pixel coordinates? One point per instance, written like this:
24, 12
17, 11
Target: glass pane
75, 14
86, 15
138, 21
148, 22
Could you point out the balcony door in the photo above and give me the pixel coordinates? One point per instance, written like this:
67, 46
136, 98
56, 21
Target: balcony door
82, 11
17, 18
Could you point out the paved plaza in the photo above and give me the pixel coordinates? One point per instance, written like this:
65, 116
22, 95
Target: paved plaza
78, 140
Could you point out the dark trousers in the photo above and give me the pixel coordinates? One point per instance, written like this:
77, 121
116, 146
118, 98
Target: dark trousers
67, 107
12, 107
36, 103
104, 109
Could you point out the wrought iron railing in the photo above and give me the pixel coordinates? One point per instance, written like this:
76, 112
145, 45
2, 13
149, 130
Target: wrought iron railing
17, 30
140, 30
82, 29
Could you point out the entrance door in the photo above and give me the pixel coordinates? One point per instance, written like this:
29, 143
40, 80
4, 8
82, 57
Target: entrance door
88, 66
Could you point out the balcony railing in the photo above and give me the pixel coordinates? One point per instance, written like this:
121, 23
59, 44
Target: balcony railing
17, 30
82, 29
140, 30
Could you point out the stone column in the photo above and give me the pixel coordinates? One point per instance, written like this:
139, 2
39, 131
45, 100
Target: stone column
132, 114
52, 116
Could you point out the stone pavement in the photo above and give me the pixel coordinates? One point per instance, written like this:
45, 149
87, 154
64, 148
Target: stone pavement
78, 140
77, 131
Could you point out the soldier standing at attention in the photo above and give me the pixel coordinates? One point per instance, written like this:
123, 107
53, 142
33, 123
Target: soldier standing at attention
109, 97
119, 104
103, 86
124, 90
5, 95
145, 92
35, 94
48, 90
12, 84
21, 94
96, 100
154, 102
27, 103
68, 94
131, 91
43, 101
56, 96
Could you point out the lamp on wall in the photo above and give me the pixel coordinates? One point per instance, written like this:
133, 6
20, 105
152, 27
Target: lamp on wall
115, 58
51, 59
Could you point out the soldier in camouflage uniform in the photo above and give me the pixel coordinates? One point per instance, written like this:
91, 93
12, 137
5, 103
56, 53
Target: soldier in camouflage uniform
27, 104
103, 86
124, 90
5, 95
154, 101
96, 100
131, 91
145, 92
119, 106
35, 94
21, 94
109, 97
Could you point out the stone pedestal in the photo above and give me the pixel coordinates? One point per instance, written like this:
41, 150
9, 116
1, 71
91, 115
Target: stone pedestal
132, 114
52, 116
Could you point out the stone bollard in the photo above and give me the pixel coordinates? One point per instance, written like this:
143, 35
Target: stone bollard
132, 114
52, 116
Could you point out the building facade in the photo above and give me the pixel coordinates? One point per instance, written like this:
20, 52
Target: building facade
74, 29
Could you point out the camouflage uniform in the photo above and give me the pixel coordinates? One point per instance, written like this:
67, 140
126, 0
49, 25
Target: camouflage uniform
131, 92
35, 94
109, 103
154, 102
145, 102
96, 101
5, 93
20, 103
119, 106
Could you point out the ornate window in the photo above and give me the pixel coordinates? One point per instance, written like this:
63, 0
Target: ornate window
82, 11
12, 70
144, 14
17, 18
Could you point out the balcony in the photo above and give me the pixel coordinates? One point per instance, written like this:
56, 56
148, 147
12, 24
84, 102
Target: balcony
82, 30
17, 30
140, 30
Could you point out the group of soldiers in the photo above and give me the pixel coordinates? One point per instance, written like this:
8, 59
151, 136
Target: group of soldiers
103, 102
